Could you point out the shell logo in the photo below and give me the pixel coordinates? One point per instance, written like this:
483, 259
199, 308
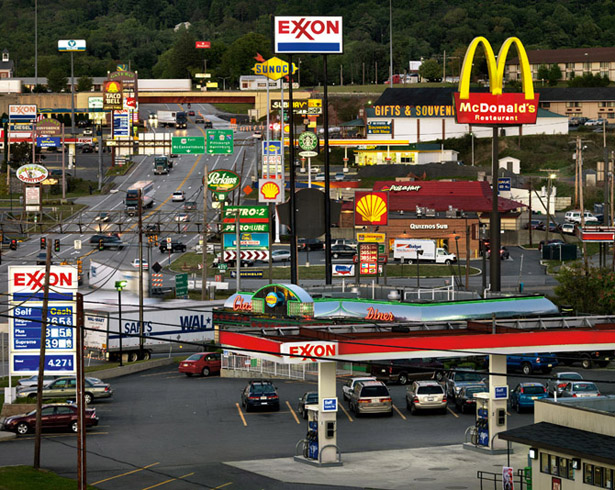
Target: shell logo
371, 208
270, 190
113, 88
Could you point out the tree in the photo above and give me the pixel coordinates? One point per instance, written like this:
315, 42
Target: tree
84, 84
555, 74
56, 80
543, 72
591, 293
430, 70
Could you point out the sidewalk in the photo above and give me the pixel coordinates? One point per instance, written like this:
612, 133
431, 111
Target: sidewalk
430, 468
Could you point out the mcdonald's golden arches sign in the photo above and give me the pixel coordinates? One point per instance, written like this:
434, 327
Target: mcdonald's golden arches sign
495, 108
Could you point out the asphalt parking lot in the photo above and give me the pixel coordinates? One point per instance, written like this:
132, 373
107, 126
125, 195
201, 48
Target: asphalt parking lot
165, 430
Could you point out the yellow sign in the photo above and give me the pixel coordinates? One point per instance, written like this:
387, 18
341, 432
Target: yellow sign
274, 68
212, 85
314, 102
371, 237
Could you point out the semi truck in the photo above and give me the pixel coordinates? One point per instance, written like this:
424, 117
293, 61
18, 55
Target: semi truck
161, 165
181, 120
176, 326
132, 196
411, 250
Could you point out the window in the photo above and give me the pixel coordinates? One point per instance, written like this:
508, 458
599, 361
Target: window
598, 476
545, 105
64, 411
606, 104
587, 67
573, 104
557, 466
605, 65
569, 66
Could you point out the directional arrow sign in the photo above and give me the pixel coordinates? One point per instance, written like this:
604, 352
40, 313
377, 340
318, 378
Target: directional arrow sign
188, 145
219, 141
246, 255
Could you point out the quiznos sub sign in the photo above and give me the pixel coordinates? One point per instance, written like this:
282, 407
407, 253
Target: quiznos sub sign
495, 108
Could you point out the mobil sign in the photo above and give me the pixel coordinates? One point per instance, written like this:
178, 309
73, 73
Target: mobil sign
317, 35
26, 282
298, 352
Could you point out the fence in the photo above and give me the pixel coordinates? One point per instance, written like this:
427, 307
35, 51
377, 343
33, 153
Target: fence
522, 480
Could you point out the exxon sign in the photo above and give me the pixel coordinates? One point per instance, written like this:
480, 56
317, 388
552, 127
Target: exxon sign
316, 35
298, 352
31, 279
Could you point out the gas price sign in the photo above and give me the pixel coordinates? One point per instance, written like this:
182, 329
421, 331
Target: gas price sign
368, 259
27, 328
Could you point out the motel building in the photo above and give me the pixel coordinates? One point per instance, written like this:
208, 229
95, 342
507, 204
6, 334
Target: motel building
455, 214
428, 114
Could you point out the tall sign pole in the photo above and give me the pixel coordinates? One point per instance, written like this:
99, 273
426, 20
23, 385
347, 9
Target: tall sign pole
204, 293
291, 164
325, 101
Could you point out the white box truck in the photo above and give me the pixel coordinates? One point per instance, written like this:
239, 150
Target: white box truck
166, 118
172, 326
408, 250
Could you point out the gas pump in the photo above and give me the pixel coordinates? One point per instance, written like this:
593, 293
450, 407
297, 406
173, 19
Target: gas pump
311, 448
482, 419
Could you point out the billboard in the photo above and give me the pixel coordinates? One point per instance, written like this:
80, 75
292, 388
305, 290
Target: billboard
371, 208
112, 96
24, 112
71, 45
316, 35
495, 108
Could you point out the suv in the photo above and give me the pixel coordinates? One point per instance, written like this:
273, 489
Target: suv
108, 241
371, 397
575, 217
401, 370
529, 363
456, 380
348, 387
260, 393
189, 205
175, 247
425, 395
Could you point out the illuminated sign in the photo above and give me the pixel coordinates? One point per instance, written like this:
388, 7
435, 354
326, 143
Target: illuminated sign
296, 352
402, 188
414, 111
112, 96
274, 68
240, 305
270, 190
32, 173
371, 208
429, 226
379, 127
222, 180
308, 35
371, 237
496, 108
71, 45
375, 314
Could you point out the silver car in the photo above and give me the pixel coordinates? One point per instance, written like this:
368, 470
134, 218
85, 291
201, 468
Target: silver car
559, 381
371, 397
67, 388
425, 395
580, 389
33, 381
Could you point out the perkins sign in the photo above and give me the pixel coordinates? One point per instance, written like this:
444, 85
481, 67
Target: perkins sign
496, 108
298, 352
308, 35
222, 180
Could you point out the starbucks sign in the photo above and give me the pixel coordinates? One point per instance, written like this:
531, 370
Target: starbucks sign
222, 181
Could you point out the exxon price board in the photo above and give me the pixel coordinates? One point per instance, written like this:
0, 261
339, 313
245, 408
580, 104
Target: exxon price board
316, 35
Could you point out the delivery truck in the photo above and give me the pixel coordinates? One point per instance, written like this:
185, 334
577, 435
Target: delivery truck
166, 118
171, 326
426, 250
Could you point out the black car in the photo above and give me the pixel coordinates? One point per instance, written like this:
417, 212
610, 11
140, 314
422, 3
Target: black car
309, 244
260, 394
343, 251
87, 148
175, 247
208, 125
308, 398
152, 229
465, 400
199, 120
402, 370
107, 241
41, 259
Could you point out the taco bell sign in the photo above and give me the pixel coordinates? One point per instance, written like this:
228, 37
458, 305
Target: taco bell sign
316, 35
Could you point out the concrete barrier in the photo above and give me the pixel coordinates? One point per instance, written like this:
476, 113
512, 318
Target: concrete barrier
130, 368
9, 409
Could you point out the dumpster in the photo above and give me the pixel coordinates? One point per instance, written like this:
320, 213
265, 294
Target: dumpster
559, 251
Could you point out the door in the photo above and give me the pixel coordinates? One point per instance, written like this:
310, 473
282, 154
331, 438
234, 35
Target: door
48, 419
213, 362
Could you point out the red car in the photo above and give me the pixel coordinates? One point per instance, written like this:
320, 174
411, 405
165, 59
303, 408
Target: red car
53, 416
203, 363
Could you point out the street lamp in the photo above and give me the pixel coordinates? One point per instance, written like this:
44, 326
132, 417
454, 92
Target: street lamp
549, 188
119, 285
419, 252
224, 79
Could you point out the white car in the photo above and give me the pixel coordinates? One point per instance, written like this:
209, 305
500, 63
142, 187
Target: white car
178, 196
135, 264
257, 135
348, 387
575, 217
280, 256
182, 217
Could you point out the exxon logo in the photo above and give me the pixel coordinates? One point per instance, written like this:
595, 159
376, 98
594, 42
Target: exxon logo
307, 28
35, 280
308, 35
297, 352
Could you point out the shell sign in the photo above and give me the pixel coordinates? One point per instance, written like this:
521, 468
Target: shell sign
271, 190
371, 208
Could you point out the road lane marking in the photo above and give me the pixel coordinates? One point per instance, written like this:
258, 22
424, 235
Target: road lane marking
125, 474
245, 424
293, 412
156, 374
223, 485
451, 410
346, 412
399, 412
169, 481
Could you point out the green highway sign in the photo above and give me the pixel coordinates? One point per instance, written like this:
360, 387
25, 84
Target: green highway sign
188, 145
222, 266
219, 141
246, 227
181, 284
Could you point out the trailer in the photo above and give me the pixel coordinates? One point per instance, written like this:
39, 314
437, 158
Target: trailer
411, 250
132, 196
165, 85
170, 326
166, 118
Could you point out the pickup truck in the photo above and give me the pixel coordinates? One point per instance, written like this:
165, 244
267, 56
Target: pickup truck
530, 363
587, 359
175, 247
402, 370
456, 380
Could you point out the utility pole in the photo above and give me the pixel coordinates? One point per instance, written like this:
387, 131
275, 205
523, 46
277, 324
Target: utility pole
204, 292
81, 449
494, 221
140, 225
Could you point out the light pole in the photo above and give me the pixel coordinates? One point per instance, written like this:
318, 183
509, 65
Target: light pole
419, 252
391, 43
223, 82
549, 180
119, 285
472, 134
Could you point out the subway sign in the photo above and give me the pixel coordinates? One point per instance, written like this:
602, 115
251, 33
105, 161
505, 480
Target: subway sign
495, 108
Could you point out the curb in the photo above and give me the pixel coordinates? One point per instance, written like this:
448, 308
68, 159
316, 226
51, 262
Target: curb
7, 436
130, 369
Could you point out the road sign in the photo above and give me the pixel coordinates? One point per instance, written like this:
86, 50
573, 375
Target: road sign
248, 274
247, 214
246, 227
77, 244
222, 266
504, 184
219, 141
246, 255
169, 240
193, 145
181, 284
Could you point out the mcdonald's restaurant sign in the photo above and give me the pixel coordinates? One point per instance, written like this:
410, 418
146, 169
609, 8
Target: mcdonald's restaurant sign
495, 108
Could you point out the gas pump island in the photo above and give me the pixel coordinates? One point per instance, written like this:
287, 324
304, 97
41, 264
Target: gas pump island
284, 324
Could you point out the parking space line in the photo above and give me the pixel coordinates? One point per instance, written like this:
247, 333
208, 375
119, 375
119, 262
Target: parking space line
245, 424
176, 376
156, 374
293, 412
125, 474
399, 412
450, 410
346, 412
223, 485
168, 481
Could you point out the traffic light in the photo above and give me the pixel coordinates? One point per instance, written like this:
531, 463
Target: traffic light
13, 245
101, 245
56, 245
43, 243
80, 267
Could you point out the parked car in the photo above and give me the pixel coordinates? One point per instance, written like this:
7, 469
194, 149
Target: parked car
575, 217
530, 363
594, 122
559, 381
348, 386
178, 196
371, 397
231, 263
524, 395
535, 224
136, 263
309, 244
307, 399
339, 176
203, 363
338, 251
53, 416
465, 401
425, 395
258, 394
175, 247
555, 241
33, 381
577, 121
280, 256
568, 228
587, 359
345, 241
67, 387
580, 389
107, 241
403, 370
456, 380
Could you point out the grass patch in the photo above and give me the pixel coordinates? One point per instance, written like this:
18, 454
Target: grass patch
240, 108
120, 169
27, 478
